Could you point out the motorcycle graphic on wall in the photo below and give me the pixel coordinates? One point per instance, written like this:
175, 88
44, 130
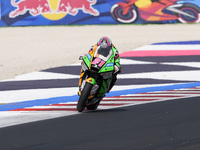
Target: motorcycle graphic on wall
129, 11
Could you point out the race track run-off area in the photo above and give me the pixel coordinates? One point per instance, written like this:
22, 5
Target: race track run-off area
151, 73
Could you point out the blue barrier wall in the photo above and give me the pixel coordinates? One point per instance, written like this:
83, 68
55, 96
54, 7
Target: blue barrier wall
81, 12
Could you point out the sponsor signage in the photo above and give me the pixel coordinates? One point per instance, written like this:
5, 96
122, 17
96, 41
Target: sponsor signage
81, 12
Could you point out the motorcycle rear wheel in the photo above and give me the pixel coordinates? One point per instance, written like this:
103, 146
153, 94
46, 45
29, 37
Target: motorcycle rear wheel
84, 97
93, 106
192, 10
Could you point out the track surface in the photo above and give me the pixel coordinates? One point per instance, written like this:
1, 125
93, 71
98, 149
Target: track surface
156, 126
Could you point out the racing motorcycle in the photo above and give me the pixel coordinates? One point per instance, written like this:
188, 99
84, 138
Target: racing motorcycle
95, 78
156, 10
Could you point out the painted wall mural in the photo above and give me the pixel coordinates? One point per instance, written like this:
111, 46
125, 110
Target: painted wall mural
81, 12
149, 11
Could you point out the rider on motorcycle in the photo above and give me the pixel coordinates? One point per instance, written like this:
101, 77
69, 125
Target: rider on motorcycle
105, 43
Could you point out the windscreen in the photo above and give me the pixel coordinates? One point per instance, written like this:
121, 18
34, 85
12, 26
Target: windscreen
103, 53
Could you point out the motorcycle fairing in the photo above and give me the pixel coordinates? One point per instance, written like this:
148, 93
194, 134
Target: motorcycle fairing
97, 69
155, 12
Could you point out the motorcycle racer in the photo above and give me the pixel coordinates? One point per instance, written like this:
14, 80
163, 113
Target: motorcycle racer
98, 74
105, 43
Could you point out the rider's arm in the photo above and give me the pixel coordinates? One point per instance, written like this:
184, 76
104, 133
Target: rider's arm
117, 65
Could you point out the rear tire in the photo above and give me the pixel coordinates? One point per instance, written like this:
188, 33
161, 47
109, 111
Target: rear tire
192, 10
84, 97
93, 106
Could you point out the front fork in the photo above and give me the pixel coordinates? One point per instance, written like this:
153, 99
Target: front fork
126, 6
100, 86
83, 79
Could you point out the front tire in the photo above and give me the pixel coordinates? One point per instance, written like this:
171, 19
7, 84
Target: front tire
84, 97
117, 14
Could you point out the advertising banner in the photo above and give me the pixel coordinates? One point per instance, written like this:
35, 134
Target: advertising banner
82, 12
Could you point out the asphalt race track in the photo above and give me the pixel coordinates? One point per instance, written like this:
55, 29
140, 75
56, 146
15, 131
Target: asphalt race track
156, 126
153, 106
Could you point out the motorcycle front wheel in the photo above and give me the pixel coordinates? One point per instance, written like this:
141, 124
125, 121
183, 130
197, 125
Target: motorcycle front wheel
117, 14
84, 97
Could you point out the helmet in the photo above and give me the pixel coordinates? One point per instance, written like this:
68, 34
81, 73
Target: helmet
104, 42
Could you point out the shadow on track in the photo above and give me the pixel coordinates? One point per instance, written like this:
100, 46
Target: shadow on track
105, 110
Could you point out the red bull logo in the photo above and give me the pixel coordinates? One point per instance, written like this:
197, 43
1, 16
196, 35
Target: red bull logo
35, 7
73, 6
53, 9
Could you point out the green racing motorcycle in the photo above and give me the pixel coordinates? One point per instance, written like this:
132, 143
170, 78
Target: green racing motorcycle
96, 76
